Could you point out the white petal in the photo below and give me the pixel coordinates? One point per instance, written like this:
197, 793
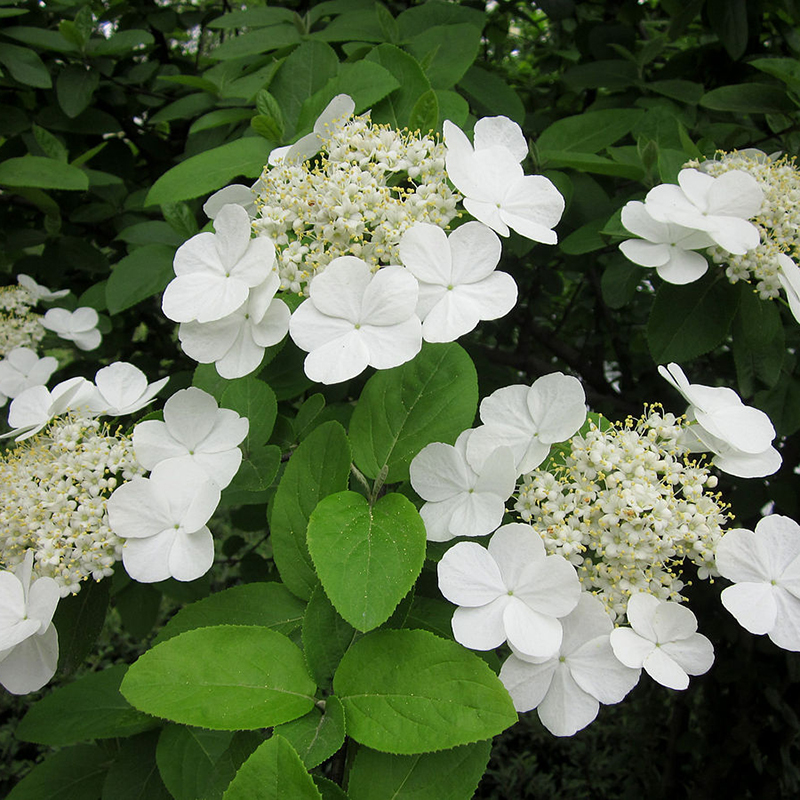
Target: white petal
557, 405
786, 632
550, 586
237, 194
191, 495
392, 345
513, 548
673, 621
752, 604
645, 254
147, 560
337, 360
31, 664
630, 648
339, 290
567, 708
740, 557
469, 576
475, 251
311, 328
192, 555
390, 298
43, 598
682, 266
664, 670
596, 669
190, 415
493, 131
527, 683
694, 655
439, 472
425, 251
136, 509
480, 628
531, 632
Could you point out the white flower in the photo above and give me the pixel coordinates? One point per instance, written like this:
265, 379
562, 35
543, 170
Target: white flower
664, 245
236, 343
215, 271
163, 518
28, 638
511, 591
463, 500
719, 206
341, 107
354, 319
39, 292
500, 132
789, 276
196, 433
497, 192
740, 436
123, 389
31, 410
765, 568
567, 688
663, 639
458, 284
79, 326
22, 368
236, 194
529, 419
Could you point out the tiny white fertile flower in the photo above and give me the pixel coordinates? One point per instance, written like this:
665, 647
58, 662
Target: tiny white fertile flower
529, 419
31, 410
79, 326
215, 271
663, 640
236, 343
341, 107
22, 368
511, 591
195, 431
39, 292
354, 319
567, 688
28, 638
722, 207
497, 192
123, 389
740, 436
764, 566
664, 245
462, 499
789, 276
236, 194
458, 284
163, 518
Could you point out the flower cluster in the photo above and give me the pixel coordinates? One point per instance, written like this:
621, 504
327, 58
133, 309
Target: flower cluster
626, 506
54, 488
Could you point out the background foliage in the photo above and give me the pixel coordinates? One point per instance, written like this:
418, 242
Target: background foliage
118, 119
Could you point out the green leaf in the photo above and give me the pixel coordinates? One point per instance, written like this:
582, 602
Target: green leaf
74, 773
256, 42
257, 471
759, 347
589, 132
307, 415
453, 49
619, 281
410, 692
121, 43
79, 619
676, 89
317, 735
257, 17
326, 637
398, 107
252, 398
206, 172
782, 403
614, 74
319, 467
271, 605
145, 272
273, 772
452, 106
225, 678
589, 162
748, 98
51, 146
191, 80
586, 239
180, 218
492, 95
133, 775
447, 775
25, 66
222, 116
420, 18
75, 87
42, 38
425, 114
728, 19
432, 398
784, 69
186, 758
184, 108
687, 321
367, 558
307, 69
88, 708
150, 232
42, 173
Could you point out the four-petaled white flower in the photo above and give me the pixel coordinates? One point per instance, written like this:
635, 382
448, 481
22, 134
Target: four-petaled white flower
341, 107
664, 245
122, 388
458, 284
354, 318
529, 419
462, 499
662, 639
195, 432
22, 368
722, 207
511, 591
79, 326
765, 568
740, 436
215, 271
497, 192
236, 343
568, 688
28, 638
37, 291
163, 519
